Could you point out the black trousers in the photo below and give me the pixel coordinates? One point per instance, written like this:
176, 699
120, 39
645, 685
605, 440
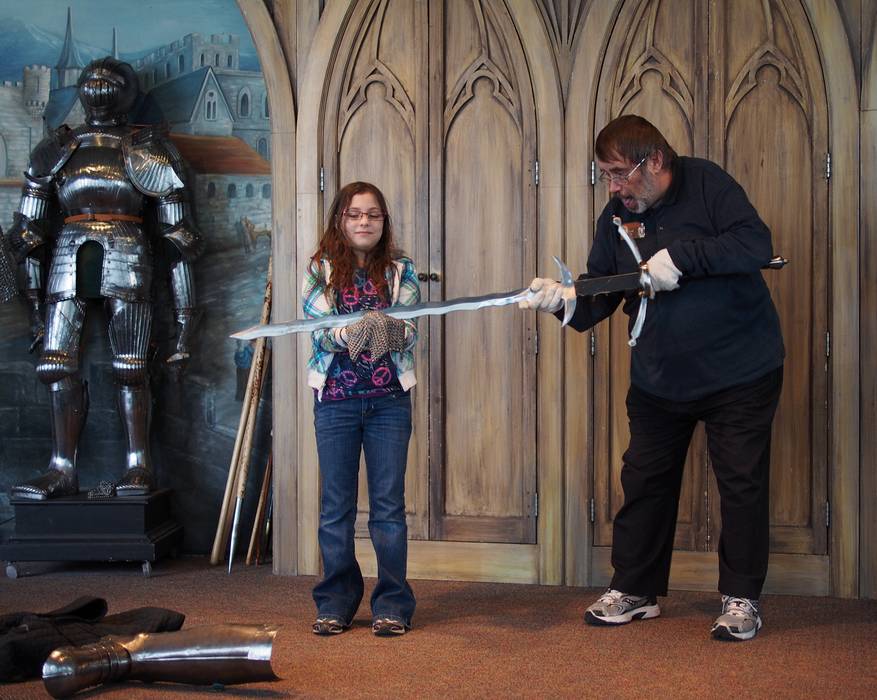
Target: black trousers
738, 428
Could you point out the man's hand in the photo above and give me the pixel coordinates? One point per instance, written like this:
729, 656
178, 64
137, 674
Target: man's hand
665, 275
545, 295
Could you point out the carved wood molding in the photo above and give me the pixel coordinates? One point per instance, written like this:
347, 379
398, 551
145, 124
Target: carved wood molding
505, 89
769, 54
563, 20
356, 82
790, 79
629, 73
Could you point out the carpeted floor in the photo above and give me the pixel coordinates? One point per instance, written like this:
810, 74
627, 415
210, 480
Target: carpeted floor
476, 640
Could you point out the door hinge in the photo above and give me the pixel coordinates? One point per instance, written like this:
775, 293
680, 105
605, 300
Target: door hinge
536, 505
827, 514
322, 180
536, 173
535, 342
593, 344
592, 510
828, 165
828, 343
593, 173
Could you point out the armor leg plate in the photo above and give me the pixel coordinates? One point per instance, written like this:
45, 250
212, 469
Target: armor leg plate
224, 654
68, 402
130, 327
135, 403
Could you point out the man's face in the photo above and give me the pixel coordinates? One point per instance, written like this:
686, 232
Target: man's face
635, 184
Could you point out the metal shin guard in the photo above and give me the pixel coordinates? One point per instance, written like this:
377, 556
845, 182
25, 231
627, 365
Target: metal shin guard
223, 654
68, 401
135, 407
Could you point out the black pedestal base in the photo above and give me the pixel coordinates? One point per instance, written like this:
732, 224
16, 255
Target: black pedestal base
76, 528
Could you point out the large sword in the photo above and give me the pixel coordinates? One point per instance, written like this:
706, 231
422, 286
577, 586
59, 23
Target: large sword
572, 289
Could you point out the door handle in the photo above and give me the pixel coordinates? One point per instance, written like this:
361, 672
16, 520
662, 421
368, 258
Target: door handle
434, 276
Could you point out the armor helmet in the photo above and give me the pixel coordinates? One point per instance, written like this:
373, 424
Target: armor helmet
108, 89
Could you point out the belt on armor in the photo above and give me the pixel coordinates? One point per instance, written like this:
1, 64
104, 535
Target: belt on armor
91, 216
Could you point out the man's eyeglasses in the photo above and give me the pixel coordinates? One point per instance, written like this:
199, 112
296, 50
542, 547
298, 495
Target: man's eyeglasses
356, 214
606, 178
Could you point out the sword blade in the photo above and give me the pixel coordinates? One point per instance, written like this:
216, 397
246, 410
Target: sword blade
584, 287
591, 286
429, 308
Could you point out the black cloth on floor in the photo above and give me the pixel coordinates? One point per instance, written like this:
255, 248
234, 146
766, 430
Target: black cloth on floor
27, 638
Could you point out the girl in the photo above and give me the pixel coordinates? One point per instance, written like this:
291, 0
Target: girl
361, 375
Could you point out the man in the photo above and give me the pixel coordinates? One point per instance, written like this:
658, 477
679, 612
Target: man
710, 350
97, 182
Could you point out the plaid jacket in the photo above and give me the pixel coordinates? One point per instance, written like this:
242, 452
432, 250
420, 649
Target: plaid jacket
404, 291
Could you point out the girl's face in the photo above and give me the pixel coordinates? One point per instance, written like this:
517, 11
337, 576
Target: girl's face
363, 224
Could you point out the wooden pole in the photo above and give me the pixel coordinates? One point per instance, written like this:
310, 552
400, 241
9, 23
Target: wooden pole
258, 520
260, 362
251, 402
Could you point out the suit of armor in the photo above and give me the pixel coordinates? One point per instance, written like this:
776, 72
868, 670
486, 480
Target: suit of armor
97, 181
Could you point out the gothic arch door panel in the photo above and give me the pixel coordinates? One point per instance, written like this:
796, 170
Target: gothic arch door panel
482, 238
376, 131
754, 102
769, 129
432, 102
651, 69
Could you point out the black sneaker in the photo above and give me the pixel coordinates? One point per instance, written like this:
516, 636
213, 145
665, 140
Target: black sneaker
739, 620
617, 608
388, 627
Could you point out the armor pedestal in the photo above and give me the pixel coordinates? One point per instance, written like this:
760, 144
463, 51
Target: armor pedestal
76, 528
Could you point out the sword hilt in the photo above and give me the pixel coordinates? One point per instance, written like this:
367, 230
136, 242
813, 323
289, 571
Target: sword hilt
569, 290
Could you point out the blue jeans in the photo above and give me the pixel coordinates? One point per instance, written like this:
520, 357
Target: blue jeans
381, 427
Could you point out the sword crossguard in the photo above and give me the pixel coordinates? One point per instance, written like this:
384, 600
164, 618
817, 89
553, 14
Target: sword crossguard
647, 291
569, 290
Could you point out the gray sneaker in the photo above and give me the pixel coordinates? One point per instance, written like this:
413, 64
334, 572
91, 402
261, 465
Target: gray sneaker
617, 608
739, 619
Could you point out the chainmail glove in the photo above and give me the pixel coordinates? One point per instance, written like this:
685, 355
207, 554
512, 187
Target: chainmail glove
387, 333
358, 337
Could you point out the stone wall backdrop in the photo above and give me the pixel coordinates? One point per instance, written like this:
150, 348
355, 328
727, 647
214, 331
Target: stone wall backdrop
195, 419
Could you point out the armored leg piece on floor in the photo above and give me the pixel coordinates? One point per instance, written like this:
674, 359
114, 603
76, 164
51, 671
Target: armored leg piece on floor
223, 654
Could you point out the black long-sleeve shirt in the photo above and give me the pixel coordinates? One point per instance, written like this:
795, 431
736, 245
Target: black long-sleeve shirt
720, 328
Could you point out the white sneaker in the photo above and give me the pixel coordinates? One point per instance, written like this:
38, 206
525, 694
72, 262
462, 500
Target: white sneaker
617, 608
739, 620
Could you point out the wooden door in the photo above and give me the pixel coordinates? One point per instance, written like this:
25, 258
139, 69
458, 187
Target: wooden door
432, 102
738, 82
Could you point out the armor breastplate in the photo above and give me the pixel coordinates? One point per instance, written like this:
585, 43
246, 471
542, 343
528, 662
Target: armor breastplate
94, 179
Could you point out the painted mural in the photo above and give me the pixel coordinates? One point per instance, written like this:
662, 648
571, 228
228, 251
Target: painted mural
199, 73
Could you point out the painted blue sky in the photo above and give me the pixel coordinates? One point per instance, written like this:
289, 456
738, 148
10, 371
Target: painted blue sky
140, 25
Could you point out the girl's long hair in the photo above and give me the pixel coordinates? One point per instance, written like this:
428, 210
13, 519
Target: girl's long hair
334, 247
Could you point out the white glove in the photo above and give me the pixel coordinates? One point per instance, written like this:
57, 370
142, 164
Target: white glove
545, 295
665, 275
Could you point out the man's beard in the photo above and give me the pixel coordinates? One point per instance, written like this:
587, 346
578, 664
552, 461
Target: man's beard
646, 197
